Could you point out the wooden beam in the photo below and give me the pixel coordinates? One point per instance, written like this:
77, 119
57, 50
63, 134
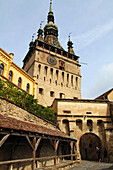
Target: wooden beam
57, 143
37, 143
4, 139
56, 147
29, 142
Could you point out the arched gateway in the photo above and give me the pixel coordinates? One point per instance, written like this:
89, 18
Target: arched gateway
88, 143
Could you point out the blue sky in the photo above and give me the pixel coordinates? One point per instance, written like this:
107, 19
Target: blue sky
91, 24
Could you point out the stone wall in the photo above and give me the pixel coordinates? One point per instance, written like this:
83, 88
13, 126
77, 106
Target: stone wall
9, 109
80, 117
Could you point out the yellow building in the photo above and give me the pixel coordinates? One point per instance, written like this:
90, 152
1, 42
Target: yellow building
17, 76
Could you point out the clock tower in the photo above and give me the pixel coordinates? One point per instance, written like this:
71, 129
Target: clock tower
56, 71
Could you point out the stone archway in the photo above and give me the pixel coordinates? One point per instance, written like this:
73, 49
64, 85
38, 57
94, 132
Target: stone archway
87, 144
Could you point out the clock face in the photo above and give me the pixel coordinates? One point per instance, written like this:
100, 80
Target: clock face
51, 60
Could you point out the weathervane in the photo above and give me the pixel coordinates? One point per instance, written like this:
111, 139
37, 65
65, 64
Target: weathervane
69, 35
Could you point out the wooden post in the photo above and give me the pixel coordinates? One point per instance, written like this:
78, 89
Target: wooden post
71, 151
35, 146
56, 147
11, 167
34, 143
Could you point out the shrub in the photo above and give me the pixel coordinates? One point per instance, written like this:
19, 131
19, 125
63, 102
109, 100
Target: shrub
24, 100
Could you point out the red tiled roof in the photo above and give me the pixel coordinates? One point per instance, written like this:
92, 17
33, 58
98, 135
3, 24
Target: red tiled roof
104, 94
15, 124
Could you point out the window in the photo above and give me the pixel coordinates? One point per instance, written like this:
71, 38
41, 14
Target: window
76, 83
10, 76
63, 76
67, 111
61, 65
88, 112
52, 94
19, 82
72, 80
75, 98
27, 88
90, 125
79, 124
57, 74
56, 82
41, 91
66, 126
99, 122
1, 69
45, 70
62, 95
51, 72
39, 68
67, 78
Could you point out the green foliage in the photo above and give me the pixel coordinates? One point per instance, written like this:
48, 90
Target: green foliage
24, 100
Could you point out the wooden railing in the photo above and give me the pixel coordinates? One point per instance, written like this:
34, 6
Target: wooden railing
11, 162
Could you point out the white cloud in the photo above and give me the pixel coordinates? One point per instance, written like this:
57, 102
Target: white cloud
102, 83
87, 38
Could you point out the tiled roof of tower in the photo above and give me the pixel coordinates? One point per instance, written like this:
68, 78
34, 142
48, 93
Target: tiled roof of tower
71, 51
15, 124
53, 40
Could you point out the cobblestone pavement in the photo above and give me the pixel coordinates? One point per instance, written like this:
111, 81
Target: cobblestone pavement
90, 165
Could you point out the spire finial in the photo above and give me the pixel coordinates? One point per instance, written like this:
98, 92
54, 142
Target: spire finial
70, 35
41, 24
33, 37
50, 5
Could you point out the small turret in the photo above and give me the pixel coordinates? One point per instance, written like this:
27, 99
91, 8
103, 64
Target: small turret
40, 32
70, 46
31, 45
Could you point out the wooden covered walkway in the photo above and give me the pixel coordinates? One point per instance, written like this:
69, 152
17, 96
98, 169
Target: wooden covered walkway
32, 146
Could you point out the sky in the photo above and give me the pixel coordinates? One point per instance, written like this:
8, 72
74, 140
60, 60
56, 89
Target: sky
90, 23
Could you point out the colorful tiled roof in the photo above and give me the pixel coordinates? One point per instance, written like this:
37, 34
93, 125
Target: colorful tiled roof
53, 40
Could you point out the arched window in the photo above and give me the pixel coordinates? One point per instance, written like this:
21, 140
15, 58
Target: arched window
79, 124
63, 76
10, 76
45, 70
66, 126
27, 88
39, 68
90, 125
19, 82
1, 69
57, 74
67, 78
76, 83
51, 72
